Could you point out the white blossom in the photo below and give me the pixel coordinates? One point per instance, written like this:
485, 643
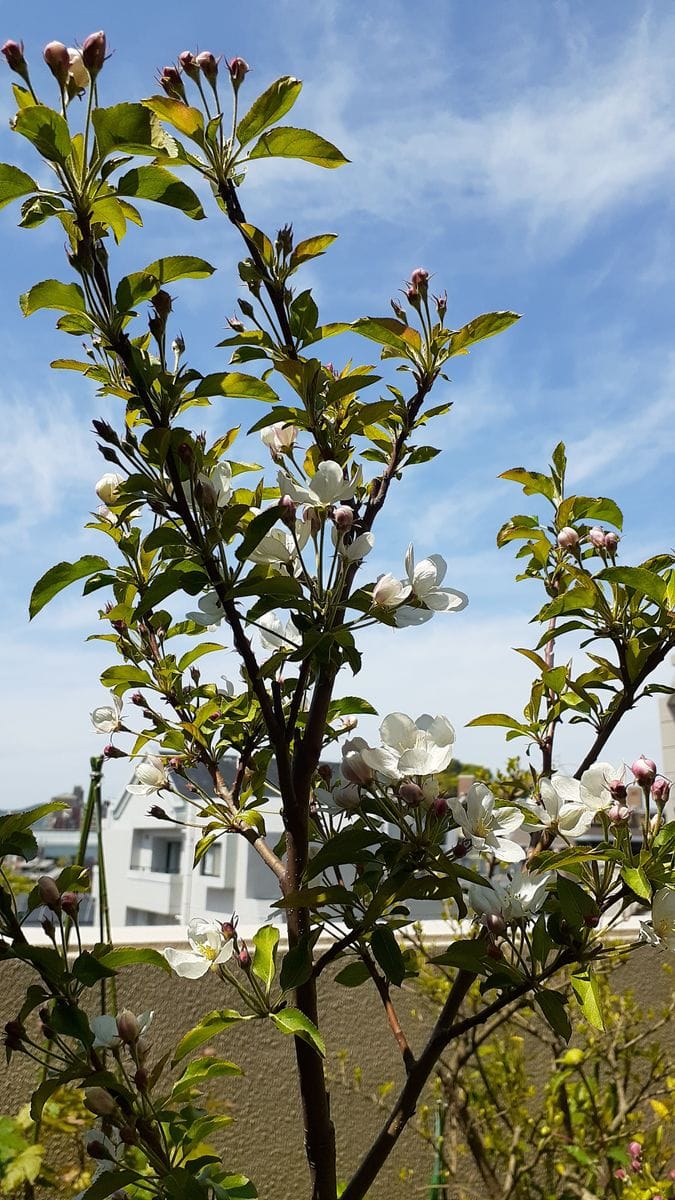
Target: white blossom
595, 785
108, 487
278, 438
422, 747
279, 547
151, 776
105, 1031
355, 550
517, 898
390, 591
566, 808
354, 767
275, 635
77, 72
208, 949
487, 826
424, 580
209, 611
328, 486
340, 799
106, 718
661, 930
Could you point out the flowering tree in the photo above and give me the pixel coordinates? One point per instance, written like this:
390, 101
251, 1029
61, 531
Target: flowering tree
203, 542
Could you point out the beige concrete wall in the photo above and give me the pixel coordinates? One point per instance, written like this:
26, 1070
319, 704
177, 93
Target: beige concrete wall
265, 1140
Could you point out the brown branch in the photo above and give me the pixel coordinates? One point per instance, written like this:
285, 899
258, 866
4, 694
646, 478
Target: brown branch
384, 993
255, 839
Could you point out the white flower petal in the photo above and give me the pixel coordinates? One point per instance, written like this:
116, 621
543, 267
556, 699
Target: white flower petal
186, 963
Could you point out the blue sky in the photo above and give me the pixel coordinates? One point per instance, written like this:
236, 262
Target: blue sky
525, 155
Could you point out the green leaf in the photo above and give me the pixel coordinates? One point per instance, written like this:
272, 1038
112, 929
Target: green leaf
648, 583
202, 1071
209, 1027
468, 955
255, 532
66, 297
286, 142
587, 995
237, 386
480, 328
160, 185
128, 956
47, 130
198, 652
61, 576
88, 969
292, 1021
386, 332
353, 975
264, 962
130, 127
270, 107
554, 1008
575, 903
14, 183
184, 576
350, 706
143, 284
388, 954
502, 720
296, 966
533, 483
310, 248
183, 118
637, 882
347, 846
109, 1182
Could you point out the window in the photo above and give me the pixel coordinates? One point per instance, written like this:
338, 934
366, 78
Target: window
212, 862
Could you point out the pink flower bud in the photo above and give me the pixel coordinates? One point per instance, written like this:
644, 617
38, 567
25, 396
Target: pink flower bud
635, 1149
343, 516
189, 64
411, 794
495, 923
158, 813
49, 892
619, 814
93, 52
138, 698
611, 542
591, 920
111, 751
141, 1079
172, 83
461, 847
128, 1026
228, 929
660, 791
99, 1102
13, 52
208, 65
568, 538
57, 59
239, 69
635, 1165
310, 515
644, 770
440, 807
70, 904
244, 958
287, 506
235, 324
620, 1174
419, 281
597, 537
617, 789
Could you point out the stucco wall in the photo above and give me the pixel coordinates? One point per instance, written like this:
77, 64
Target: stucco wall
265, 1140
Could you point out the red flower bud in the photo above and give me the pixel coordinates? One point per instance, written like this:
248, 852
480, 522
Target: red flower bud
618, 789
172, 83
57, 59
244, 958
93, 52
138, 698
228, 929
238, 69
208, 65
419, 281
70, 904
141, 1079
158, 813
495, 923
644, 770
13, 52
568, 538
189, 64
440, 807
611, 542
111, 751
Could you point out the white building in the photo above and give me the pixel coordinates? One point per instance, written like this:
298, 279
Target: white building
151, 879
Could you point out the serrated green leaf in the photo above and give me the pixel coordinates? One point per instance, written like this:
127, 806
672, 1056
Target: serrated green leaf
209, 1027
14, 183
183, 118
554, 1008
129, 127
118, 957
51, 293
268, 108
637, 882
47, 130
648, 583
266, 941
294, 1023
353, 975
388, 954
236, 386
587, 995
286, 142
61, 576
161, 186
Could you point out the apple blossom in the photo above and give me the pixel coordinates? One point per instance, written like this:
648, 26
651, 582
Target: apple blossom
108, 487
208, 949
279, 438
328, 486
56, 57
355, 550
424, 580
151, 776
107, 1030
564, 807
488, 826
597, 537
518, 898
422, 747
106, 718
644, 770
568, 538
209, 612
78, 75
390, 591
239, 69
354, 767
279, 547
601, 785
661, 930
276, 636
